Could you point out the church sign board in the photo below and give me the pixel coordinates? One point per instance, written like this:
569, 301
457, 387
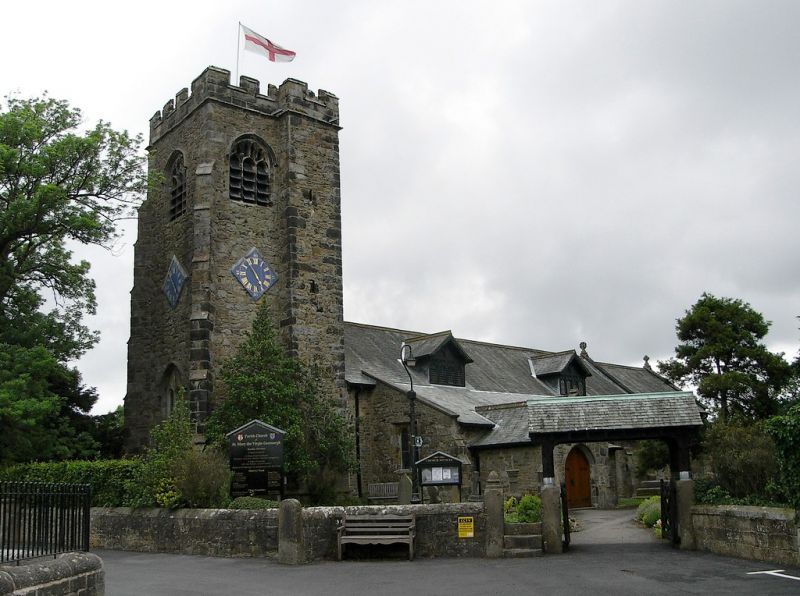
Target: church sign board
256, 460
440, 469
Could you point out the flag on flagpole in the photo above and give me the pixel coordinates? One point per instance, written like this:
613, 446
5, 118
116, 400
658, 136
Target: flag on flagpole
264, 47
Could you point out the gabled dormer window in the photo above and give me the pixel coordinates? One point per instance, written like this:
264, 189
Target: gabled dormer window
571, 385
446, 371
443, 357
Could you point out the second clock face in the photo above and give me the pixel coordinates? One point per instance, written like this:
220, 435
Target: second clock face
173, 282
254, 274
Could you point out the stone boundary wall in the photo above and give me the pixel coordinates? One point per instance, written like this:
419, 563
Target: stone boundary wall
73, 574
229, 533
212, 532
437, 529
756, 533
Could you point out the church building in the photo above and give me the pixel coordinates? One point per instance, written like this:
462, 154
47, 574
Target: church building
248, 211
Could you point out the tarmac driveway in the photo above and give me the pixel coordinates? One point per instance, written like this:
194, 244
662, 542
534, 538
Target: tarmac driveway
610, 555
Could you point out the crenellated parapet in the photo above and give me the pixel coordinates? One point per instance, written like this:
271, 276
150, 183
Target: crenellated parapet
213, 84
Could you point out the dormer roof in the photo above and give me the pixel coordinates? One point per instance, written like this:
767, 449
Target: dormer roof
556, 364
423, 346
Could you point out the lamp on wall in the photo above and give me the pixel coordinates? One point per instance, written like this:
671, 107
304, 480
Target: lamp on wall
407, 359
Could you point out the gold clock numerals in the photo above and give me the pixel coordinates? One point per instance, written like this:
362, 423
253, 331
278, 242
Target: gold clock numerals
254, 274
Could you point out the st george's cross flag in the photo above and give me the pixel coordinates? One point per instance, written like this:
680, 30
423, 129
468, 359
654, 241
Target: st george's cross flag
264, 47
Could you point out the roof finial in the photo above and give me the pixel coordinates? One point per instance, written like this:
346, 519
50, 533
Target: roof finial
647, 363
584, 353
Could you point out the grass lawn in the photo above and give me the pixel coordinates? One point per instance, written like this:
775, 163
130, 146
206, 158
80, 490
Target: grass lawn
629, 502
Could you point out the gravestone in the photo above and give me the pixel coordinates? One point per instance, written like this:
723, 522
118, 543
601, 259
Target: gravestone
256, 460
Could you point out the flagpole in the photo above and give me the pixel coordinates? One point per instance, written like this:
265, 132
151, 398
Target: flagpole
238, 51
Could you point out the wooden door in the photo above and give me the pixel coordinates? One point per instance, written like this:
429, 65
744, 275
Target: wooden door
578, 479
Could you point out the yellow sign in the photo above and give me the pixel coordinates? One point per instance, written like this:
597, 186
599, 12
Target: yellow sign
466, 527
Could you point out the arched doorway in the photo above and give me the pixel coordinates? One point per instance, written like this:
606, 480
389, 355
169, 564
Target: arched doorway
578, 479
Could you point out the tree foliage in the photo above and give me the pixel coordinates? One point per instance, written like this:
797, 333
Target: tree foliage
58, 185
721, 353
742, 457
264, 383
785, 431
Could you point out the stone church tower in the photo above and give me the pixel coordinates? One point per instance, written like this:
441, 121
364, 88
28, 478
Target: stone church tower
247, 210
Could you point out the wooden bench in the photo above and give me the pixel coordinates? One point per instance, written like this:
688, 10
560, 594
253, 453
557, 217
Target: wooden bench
378, 529
382, 490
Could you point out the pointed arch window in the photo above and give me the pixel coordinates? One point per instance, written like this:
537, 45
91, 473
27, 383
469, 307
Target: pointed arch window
177, 188
250, 172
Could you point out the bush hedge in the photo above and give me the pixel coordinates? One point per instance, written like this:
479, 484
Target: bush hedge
110, 479
649, 511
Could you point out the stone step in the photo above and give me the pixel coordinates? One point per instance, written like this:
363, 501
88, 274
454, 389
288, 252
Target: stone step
519, 553
650, 484
532, 541
648, 492
522, 529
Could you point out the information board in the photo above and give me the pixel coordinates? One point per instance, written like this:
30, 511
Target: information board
256, 460
440, 469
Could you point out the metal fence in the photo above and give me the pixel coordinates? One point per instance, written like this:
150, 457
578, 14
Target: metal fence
38, 519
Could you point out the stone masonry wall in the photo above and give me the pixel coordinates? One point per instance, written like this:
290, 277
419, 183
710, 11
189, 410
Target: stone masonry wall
757, 533
223, 532
298, 234
383, 413
212, 532
72, 574
437, 529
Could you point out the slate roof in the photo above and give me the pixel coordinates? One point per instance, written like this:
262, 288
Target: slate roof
495, 367
498, 380
618, 412
460, 402
426, 345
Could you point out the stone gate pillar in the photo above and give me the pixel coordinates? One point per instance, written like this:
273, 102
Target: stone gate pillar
495, 522
684, 491
552, 529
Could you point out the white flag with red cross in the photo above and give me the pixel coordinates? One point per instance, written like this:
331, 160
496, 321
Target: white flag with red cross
261, 45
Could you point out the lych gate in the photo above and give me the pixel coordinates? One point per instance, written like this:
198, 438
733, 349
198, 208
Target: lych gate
671, 417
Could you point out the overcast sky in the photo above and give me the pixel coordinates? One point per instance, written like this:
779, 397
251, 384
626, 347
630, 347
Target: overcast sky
528, 173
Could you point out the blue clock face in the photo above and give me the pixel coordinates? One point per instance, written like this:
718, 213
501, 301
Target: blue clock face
254, 274
173, 282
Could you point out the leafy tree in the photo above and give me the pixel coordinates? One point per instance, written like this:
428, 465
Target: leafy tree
742, 457
785, 431
264, 383
722, 354
109, 432
44, 408
58, 185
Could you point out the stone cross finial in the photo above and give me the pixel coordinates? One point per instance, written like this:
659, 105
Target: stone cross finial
647, 362
584, 353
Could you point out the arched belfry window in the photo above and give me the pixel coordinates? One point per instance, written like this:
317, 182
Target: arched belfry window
171, 389
251, 164
177, 187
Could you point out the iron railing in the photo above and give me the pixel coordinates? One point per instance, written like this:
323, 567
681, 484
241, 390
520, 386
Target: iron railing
39, 519
669, 512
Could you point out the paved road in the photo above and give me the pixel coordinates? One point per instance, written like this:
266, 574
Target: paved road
609, 556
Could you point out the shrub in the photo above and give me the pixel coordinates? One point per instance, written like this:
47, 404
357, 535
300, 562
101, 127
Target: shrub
509, 505
109, 479
202, 477
785, 431
742, 456
527, 510
154, 484
252, 503
649, 512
